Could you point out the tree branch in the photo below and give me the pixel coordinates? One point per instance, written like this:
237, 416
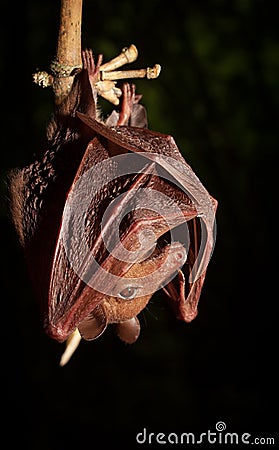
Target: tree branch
68, 54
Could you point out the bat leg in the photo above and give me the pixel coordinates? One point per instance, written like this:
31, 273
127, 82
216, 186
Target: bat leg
128, 100
106, 89
93, 69
131, 113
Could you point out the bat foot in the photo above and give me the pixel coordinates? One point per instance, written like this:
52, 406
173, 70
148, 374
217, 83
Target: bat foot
93, 69
128, 100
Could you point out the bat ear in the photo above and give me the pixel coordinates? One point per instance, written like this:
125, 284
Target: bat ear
129, 330
92, 327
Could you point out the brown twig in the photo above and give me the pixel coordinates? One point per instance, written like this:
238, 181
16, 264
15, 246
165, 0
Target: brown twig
68, 53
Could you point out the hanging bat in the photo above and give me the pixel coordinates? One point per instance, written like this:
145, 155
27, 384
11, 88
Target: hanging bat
110, 214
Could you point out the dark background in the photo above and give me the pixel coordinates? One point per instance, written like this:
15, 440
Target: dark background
218, 95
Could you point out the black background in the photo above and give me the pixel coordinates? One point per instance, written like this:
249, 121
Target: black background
218, 96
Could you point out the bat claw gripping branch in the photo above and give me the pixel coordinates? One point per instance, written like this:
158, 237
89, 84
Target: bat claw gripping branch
105, 83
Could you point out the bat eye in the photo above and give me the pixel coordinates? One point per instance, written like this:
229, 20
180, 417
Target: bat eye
128, 293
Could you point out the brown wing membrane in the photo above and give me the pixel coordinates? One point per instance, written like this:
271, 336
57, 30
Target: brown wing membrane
164, 170
186, 291
72, 296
